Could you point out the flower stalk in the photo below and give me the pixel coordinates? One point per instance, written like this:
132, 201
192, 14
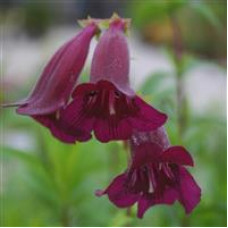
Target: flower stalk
178, 61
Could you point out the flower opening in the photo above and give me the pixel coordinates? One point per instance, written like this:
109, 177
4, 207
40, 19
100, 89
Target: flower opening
155, 176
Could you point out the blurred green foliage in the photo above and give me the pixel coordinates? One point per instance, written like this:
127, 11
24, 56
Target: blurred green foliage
202, 23
37, 18
151, 10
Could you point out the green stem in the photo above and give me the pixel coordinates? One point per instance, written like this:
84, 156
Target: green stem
129, 211
180, 92
129, 214
64, 217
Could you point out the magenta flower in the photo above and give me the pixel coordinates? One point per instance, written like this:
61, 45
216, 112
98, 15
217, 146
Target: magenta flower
156, 175
59, 77
111, 58
107, 105
53, 89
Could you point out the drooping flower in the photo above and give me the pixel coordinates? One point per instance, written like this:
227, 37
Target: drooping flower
156, 175
59, 77
107, 105
55, 85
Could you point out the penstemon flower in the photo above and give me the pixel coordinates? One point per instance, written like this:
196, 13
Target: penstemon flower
156, 175
59, 77
52, 91
107, 105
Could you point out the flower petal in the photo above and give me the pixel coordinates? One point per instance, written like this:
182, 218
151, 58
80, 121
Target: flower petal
50, 122
147, 118
160, 137
59, 76
177, 155
189, 191
111, 58
73, 119
148, 200
145, 153
111, 129
118, 194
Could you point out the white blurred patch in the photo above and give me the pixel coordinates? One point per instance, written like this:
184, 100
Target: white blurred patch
19, 140
206, 88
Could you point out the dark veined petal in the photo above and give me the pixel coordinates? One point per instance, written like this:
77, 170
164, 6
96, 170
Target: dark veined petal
111, 58
148, 118
189, 191
110, 129
118, 194
52, 124
169, 196
55, 85
74, 119
177, 155
49, 122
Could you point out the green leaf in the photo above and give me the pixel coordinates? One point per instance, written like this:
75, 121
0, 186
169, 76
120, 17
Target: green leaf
153, 83
25, 157
206, 11
38, 178
147, 11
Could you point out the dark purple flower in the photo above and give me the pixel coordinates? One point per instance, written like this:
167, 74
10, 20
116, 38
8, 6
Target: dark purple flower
111, 58
110, 113
58, 79
156, 175
107, 105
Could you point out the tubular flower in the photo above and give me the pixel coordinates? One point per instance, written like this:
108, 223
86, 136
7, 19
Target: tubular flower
107, 105
156, 175
58, 79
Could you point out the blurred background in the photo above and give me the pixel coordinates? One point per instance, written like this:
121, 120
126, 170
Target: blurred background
178, 64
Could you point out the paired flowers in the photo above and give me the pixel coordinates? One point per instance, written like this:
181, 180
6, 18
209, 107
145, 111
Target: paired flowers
108, 107
105, 105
